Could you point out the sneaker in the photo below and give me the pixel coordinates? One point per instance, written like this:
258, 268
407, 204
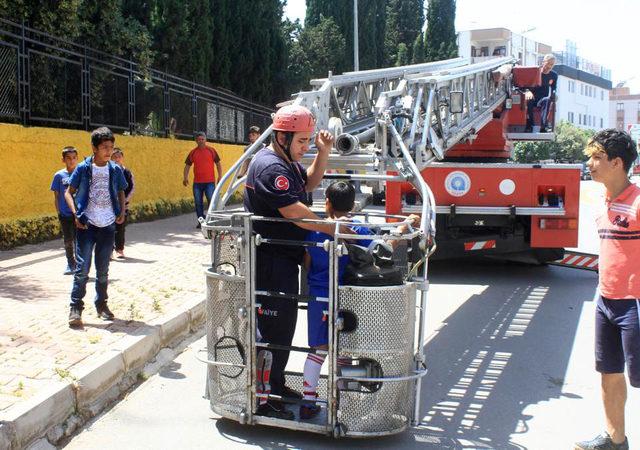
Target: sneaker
75, 317
602, 442
68, 271
274, 409
120, 254
291, 393
198, 226
309, 411
104, 313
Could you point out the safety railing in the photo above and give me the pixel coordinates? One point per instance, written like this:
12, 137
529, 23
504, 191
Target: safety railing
49, 81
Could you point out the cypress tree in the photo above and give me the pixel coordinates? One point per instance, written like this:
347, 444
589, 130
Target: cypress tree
371, 26
404, 23
440, 39
417, 52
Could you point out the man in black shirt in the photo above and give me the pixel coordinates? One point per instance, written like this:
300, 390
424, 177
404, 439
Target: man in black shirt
543, 95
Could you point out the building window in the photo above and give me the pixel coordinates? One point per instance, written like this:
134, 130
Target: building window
601, 122
602, 95
473, 51
484, 51
581, 89
619, 106
500, 51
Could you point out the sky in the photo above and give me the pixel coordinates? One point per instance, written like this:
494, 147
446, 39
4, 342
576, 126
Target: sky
604, 31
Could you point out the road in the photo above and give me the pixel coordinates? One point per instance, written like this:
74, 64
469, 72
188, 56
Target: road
510, 354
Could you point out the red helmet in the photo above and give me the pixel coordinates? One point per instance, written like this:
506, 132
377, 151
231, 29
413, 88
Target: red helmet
294, 118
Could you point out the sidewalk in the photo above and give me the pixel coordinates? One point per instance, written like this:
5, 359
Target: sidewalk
162, 272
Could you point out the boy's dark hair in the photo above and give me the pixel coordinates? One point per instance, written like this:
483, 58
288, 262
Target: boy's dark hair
67, 150
616, 144
200, 134
99, 135
341, 195
116, 151
254, 129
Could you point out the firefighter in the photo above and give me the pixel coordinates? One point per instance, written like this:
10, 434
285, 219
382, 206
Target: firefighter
277, 186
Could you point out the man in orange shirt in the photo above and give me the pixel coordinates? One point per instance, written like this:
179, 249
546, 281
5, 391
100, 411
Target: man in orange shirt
203, 158
611, 154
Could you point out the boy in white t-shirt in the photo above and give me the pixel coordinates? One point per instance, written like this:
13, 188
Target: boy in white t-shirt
98, 204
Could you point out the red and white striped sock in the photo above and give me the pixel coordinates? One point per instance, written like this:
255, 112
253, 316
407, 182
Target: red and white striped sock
263, 375
312, 367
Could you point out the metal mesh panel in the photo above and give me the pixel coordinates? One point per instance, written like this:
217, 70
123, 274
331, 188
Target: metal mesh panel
226, 331
202, 124
227, 256
240, 127
8, 81
227, 123
227, 328
56, 88
109, 98
212, 121
149, 108
181, 113
385, 333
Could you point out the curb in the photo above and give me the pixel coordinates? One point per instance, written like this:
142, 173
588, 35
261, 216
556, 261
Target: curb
56, 412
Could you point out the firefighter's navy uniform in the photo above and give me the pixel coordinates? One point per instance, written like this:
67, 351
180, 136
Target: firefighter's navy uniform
272, 183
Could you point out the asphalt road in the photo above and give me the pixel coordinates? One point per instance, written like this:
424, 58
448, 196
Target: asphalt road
510, 354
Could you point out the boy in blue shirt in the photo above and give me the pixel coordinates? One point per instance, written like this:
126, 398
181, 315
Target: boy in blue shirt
65, 216
339, 203
96, 199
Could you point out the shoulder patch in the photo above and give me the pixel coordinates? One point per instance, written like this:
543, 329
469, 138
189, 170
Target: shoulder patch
281, 183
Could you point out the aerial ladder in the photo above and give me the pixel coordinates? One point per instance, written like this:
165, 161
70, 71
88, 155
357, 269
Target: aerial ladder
432, 139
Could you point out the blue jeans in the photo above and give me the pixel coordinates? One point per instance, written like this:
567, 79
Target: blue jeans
102, 239
199, 189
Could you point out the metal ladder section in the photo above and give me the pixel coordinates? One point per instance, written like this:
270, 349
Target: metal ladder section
425, 108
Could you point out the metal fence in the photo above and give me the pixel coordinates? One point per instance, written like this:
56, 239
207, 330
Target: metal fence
49, 81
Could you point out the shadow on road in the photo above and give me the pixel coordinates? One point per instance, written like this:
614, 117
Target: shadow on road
501, 351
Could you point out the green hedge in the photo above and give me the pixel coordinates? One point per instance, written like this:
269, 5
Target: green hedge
44, 228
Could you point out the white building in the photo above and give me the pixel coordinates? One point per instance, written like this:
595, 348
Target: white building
491, 42
583, 98
624, 109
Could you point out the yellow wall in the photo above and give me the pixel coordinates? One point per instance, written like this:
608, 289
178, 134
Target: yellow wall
29, 156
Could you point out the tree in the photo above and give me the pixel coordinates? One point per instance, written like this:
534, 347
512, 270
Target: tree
404, 23
322, 46
59, 18
105, 28
568, 146
371, 26
417, 52
440, 39
402, 55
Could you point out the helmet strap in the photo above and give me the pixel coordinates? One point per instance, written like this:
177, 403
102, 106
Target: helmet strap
288, 139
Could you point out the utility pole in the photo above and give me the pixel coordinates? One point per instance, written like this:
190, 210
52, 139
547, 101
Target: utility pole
356, 62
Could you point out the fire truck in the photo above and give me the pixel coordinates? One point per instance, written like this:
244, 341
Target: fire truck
459, 122
433, 139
